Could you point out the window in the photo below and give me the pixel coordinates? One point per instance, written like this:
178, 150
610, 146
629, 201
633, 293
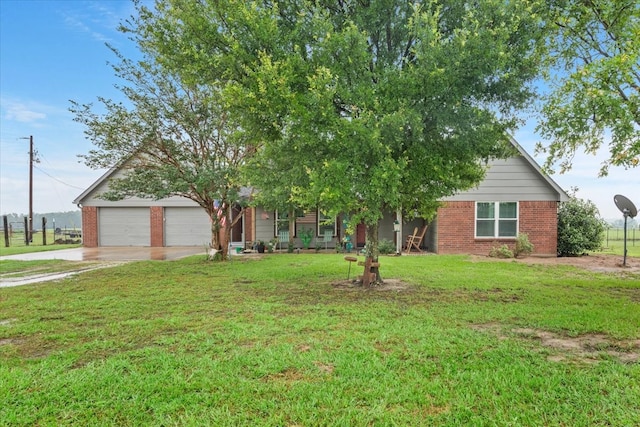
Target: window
496, 219
282, 222
326, 223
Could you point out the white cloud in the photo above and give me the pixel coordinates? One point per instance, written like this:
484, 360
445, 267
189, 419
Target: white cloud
23, 113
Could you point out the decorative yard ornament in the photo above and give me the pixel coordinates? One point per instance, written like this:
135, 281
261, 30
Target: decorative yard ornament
628, 210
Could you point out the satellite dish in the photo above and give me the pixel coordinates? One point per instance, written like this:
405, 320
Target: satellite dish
625, 205
628, 209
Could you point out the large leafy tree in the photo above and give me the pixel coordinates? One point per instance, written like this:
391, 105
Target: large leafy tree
595, 94
172, 138
377, 105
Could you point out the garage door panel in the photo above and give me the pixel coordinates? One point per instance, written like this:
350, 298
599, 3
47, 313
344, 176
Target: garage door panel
124, 227
186, 226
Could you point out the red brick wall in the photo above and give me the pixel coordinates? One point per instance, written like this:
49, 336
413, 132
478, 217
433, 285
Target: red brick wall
456, 228
89, 226
157, 226
540, 221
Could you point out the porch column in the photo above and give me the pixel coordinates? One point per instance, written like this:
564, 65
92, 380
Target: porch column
399, 233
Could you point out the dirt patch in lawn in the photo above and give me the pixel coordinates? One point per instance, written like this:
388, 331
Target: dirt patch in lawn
595, 262
388, 285
586, 348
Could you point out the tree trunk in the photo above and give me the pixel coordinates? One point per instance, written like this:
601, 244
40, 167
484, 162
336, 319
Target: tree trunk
220, 231
221, 226
216, 240
371, 254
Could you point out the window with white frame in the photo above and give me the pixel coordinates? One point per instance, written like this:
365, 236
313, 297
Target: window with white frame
326, 223
282, 222
497, 219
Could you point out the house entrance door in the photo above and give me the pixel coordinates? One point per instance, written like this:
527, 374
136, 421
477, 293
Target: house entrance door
236, 231
361, 235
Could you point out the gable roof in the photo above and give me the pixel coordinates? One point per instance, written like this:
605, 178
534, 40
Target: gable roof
245, 192
95, 185
563, 196
515, 178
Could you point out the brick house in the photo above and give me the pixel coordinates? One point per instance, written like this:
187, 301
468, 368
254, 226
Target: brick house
515, 197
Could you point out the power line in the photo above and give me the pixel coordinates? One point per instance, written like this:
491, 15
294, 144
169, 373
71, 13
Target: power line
56, 179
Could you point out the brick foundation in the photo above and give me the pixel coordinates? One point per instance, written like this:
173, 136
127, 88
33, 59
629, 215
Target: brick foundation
456, 228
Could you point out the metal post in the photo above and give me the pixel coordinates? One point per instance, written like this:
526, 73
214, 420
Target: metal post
624, 259
399, 232
26, 233
5, 223
44, 231
30, 188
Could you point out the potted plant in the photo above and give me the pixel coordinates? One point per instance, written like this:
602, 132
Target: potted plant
272, 244
260, 246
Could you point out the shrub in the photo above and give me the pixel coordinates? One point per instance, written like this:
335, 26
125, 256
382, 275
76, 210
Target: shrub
523, 245
580, 228
386, 247
501, 252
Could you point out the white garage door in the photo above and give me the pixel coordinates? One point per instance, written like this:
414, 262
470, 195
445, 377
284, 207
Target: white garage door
124, 227
186, 227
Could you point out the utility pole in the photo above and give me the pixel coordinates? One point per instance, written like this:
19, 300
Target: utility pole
29, 232
30, 188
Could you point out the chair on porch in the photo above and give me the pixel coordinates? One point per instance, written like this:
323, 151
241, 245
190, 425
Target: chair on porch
327, 237
407, 244
415, 240
283, 237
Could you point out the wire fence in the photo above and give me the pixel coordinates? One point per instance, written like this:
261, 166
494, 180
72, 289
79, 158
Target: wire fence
617, 235
13, 234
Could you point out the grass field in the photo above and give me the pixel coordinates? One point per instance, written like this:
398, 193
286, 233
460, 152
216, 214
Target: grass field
17, 243
284, 341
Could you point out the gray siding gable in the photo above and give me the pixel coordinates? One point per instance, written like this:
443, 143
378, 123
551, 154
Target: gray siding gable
90, 197
517, 178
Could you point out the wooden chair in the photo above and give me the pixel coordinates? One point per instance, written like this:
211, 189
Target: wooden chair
407, 244
415, 240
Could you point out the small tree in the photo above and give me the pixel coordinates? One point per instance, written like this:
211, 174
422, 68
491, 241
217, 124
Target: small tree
580, 227
173, 138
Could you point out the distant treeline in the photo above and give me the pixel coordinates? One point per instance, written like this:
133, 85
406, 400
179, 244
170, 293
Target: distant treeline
619, 223
70, 219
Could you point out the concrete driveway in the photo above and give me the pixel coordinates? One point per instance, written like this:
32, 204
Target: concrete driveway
108, 257
128, 253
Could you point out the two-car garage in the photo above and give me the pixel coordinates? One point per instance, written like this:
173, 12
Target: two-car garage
131, 226
134, 221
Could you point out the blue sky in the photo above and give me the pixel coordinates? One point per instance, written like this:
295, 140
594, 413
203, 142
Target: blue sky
54, 51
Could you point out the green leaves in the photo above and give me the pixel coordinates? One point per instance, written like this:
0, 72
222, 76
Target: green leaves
580, 227
596, 101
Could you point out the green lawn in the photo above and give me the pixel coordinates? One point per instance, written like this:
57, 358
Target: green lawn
282, 341
617, 248
17, 243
